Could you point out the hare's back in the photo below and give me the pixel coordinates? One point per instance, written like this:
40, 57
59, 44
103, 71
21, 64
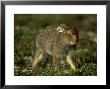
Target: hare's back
46, 39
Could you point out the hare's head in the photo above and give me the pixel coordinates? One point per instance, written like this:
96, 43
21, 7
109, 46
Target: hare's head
70, 34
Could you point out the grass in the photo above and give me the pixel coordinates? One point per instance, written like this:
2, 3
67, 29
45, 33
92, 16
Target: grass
89, 69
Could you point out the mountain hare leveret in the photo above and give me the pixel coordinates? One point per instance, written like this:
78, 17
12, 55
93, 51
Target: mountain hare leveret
57, 41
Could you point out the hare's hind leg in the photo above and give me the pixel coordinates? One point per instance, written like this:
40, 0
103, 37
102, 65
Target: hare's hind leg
38, 56
70, 62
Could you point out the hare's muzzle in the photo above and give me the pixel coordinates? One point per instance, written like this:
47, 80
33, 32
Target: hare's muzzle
73, 43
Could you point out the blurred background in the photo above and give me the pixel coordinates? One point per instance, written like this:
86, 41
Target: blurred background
26, 27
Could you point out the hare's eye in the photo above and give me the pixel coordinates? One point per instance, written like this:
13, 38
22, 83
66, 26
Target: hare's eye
68, 32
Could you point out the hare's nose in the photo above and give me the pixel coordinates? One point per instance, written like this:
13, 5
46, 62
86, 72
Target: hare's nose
76, 41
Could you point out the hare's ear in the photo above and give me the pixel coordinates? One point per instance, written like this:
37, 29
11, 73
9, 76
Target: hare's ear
60, 29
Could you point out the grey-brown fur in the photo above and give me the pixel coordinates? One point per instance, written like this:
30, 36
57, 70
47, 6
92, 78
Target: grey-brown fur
55, 43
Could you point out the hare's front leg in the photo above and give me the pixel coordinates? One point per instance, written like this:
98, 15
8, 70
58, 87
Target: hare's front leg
70, 62
56, 62
38, 56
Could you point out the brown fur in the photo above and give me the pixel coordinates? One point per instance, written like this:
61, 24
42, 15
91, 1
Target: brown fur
57, 44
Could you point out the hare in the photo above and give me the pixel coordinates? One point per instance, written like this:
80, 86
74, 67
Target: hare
59, 42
